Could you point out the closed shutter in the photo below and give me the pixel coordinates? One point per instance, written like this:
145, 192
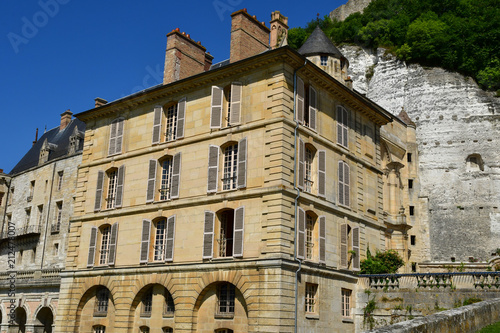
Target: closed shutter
181, 116
322, 173
176, 176
112, 138
322, 239
208, 235
119, 136
98, 191
213, 168
340, 128
119, 186
313, 108
235, 114
355, 248
112, 244
300, 101
242, 163
346, 185
169, 246
343, 245
301, 235
145, 239
341, 182
302, 158
93, 241
238, 234
216, 112
150, 196
157, 117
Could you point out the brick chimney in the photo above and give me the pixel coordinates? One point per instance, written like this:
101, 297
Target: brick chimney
249, 37
184, 57
65, 119
279, 30
208, 61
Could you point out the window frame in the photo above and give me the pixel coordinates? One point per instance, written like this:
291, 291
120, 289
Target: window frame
226, 300
311, 298
346, 296
102, 298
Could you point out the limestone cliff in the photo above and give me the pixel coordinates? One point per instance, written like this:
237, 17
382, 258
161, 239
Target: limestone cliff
352, 6
458, 135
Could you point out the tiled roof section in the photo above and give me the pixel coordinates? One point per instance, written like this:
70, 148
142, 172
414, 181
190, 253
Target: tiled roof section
53, 136
406, 118
319, 43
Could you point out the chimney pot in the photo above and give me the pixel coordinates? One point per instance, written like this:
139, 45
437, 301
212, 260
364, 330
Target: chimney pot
99, 102
65, 119
245, 10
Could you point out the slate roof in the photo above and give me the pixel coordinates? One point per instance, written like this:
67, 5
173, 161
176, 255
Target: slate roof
54, 136
319, 43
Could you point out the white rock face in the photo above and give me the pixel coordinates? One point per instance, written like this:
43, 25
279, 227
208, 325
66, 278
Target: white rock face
454, 119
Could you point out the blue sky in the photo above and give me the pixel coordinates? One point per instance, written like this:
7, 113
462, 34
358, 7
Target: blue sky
61, 54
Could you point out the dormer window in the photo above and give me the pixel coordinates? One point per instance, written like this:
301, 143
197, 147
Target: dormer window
324, 60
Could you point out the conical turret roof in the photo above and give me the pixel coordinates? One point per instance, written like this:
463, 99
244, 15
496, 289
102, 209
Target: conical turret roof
319, 43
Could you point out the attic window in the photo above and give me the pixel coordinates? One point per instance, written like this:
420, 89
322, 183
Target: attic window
324, 60
474, 163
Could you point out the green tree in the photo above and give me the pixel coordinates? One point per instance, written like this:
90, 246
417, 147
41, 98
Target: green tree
388, 261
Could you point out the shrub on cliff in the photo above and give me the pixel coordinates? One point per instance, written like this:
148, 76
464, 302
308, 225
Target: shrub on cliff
385, 262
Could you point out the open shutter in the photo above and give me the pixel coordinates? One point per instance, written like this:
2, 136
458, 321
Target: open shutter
322, 173
119, 136
302, 158
343, 245
112, 244
340, 128
235, 114
345, 121
150, 196
98, 191
213, 168
157, 117
93, 241
146, 236
341, 183
301, 235
112, 138
355, 248
169, 246
238, 235
346, 184
181, 116
176, 176
216, 113
300, 101
242, 164
313, 108
208, 235
119, 186
322, 239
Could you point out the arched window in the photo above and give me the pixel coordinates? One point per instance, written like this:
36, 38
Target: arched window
169, 306
110, 185
160, 234
105, 232
225, 299
101, 302
174, 114
233, 159
169, 174
147, 303
103, 240
223, 330
349, 247
307, 105
226, 105
99, 329
230, 155
311, 177
227, 228
167, 330
311, 236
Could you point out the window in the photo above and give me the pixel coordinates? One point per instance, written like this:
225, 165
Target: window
224, 330
344, 181
226, 106
342, 126
307, 171
306, 107
310, 298
163, 241
410, 183
33, 257
144, 329
308, 181
169, 173
311, 238
40, 214
147, 303
32, 190
11, 196
59, 213
114, 180
28, 216
108, 236
59, 180
161, 231
166, 179
324, 60
413, 239
310, 221
169, 306
412, 210
234, 162
116, 137
408, 157
167, 330
227, 225
56, 249
101, 302
413, 267
174, 114
225, 299
99, 329
104, 251
346, 303
349, 247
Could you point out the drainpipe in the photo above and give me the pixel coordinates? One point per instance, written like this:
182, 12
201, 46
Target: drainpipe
48, 214
296, 189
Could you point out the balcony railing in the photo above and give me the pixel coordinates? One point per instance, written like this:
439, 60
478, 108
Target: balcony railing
29, 230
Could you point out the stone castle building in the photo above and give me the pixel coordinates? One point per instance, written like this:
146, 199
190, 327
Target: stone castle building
236, 197
36, 200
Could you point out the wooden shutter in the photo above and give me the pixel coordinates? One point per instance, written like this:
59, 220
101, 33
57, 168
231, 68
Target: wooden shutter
150, 196
157, 118
322, 173
300, 101
340, 128
213, 168
119, 136
169, 246
301, 234
313, 108
346, 184
355, 248
145, 239
176, 176
302, 158
98, 191
181, 116
112, 244
242, 164
322, 239
119, 186
345, 136
341, 182
216, 113
93, 242
238, 234
235, 114
208, 235
112, 138
343, 245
